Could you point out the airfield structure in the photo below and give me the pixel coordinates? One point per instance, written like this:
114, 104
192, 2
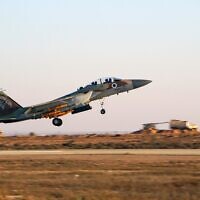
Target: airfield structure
173, 124
182, 125
152, 126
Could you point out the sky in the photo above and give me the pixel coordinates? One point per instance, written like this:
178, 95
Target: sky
49, 48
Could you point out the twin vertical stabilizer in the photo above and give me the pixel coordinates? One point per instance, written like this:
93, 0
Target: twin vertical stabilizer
7, 105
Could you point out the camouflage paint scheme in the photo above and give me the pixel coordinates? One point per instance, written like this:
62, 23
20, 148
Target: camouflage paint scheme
76, 102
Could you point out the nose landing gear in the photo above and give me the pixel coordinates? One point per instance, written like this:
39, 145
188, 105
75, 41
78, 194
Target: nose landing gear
57, 122
102, 111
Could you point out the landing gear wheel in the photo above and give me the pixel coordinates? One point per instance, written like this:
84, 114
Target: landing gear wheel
103, 111
57, 122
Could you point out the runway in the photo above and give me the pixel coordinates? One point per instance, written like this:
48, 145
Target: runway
57, 174
171, 152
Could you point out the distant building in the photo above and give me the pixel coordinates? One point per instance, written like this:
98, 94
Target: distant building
182, 125
173, 125
149, 126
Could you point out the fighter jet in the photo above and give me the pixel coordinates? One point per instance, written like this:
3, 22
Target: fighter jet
73, 103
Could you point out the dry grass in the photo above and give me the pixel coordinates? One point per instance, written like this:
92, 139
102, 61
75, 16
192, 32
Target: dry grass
99, 177
137, 140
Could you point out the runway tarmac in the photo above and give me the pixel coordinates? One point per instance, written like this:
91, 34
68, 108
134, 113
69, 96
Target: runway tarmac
171, 152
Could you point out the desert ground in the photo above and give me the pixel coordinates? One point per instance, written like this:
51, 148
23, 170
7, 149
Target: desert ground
156, 139
101, 167
99, 177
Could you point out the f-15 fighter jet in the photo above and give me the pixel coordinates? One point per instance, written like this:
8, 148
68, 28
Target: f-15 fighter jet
76, 102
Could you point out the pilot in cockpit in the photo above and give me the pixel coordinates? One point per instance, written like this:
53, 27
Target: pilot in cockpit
94, 83
108, 80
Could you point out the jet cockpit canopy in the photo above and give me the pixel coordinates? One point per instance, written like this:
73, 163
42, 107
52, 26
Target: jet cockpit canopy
105, 80
101, 81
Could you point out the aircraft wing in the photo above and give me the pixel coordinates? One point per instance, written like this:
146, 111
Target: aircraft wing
59, 107
48, 107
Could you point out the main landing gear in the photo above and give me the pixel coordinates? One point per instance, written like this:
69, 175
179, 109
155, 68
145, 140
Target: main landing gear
57, 122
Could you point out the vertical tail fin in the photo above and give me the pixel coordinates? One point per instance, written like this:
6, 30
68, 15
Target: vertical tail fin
7, 105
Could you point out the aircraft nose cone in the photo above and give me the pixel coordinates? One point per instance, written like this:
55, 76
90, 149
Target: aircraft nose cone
140, 83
